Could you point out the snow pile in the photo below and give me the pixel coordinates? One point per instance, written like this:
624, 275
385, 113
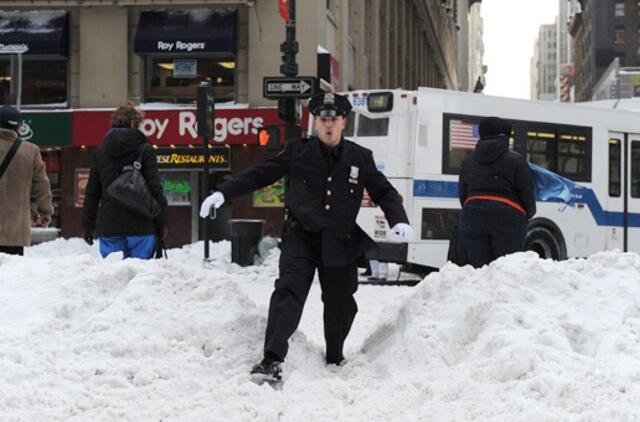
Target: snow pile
85, 339
522, 339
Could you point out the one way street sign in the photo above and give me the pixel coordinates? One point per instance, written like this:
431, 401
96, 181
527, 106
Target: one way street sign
275, 87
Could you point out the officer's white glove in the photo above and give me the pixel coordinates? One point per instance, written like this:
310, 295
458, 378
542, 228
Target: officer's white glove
404, 231
216, 199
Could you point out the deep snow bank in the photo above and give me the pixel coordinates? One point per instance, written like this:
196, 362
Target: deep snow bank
520, 340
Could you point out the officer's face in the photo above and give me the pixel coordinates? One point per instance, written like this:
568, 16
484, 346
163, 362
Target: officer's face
330, 129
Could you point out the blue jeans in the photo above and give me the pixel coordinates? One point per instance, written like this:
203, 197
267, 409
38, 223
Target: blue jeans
141, 247
491, 229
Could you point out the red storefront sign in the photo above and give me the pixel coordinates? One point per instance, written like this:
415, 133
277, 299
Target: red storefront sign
178, 127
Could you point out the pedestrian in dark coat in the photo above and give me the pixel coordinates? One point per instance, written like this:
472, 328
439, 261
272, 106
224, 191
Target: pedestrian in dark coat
118, 227
326, 177
496, 192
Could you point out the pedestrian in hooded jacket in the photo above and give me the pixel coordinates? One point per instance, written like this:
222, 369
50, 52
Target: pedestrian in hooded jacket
496, 192
117, 227
25, 176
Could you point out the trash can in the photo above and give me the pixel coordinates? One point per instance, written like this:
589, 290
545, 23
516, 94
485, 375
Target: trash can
245, 235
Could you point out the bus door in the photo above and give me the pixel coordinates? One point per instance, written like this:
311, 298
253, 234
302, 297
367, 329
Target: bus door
631, 220
614, 201
622, 207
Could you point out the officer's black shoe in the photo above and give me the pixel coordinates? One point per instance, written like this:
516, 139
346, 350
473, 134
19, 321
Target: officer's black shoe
268, 370
377, 279
338, 361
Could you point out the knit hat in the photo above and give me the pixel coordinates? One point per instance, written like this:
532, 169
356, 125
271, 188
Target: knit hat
494, 126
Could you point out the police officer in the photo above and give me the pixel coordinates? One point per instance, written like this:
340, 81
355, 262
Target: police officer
326, 177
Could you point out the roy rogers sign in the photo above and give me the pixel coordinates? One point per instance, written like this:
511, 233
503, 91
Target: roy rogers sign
178, 127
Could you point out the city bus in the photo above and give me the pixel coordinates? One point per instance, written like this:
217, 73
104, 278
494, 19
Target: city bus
420, 138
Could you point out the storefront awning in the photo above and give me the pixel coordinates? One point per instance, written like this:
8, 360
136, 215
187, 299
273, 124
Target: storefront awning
186, 31
35, 32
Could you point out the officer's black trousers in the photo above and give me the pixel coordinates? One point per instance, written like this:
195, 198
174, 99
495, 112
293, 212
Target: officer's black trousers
301, 255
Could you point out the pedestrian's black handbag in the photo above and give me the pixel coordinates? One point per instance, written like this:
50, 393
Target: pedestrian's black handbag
131, 189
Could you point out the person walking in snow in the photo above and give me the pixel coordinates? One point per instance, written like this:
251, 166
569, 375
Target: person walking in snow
326, 177
117, 227
22, 175
496, 192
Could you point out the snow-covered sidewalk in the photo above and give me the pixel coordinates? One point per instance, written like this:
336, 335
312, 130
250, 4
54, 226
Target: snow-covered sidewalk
86, 339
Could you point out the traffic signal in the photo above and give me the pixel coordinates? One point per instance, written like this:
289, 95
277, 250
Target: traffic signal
269, 137
206, 108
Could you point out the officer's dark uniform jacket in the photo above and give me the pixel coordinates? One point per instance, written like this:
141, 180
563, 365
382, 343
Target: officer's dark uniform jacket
325, 202
492, 169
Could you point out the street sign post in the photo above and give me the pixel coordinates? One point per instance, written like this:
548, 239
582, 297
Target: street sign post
276, 87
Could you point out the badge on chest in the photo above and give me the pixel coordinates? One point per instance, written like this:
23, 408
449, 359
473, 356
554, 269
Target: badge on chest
353, 175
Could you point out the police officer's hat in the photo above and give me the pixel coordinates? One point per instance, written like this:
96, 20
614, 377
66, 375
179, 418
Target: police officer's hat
329, 105
9, 118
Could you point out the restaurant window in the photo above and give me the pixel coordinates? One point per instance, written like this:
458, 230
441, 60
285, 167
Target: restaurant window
175, 80
176, 187
44, 82
42, 38
615, 161
182, 48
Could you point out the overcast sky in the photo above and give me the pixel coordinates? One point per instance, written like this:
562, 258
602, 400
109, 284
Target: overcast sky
510, 31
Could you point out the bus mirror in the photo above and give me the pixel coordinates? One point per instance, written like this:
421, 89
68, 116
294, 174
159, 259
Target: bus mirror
379, 102
269, 137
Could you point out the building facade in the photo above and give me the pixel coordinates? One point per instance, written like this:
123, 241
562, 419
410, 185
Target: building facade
544, 64
603, 31
82, 58
566, 67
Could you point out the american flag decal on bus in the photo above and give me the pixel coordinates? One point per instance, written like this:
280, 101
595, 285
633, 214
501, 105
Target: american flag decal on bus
463, 135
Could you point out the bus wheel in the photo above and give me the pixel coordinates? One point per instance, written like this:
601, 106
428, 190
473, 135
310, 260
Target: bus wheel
545, 243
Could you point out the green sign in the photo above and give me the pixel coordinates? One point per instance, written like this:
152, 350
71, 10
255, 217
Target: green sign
46, 129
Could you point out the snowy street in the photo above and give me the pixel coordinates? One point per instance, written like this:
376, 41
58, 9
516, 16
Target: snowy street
524, 339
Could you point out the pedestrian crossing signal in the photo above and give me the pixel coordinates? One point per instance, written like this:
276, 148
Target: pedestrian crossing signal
269, 137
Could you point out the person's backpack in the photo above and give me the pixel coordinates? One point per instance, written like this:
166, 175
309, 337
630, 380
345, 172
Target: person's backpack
131, 189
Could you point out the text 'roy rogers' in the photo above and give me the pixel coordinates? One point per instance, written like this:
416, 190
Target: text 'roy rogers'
181, 46
188, 126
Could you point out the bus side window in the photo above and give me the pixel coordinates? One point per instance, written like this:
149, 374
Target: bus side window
461, 137
351, 124
615, 161
373, 127
541, 149
572, 155
635, 169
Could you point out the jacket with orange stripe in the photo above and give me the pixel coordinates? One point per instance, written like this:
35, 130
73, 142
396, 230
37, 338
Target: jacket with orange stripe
493, 169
